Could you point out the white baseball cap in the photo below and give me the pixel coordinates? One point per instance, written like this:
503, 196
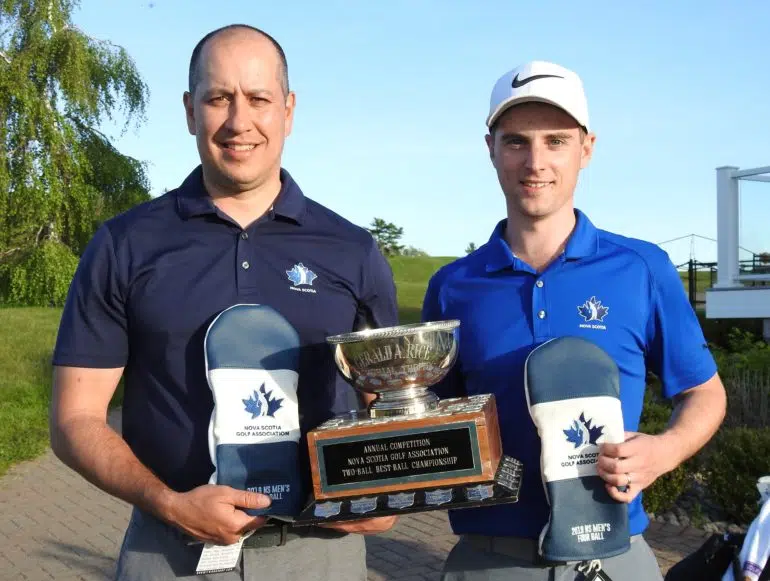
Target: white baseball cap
543, 82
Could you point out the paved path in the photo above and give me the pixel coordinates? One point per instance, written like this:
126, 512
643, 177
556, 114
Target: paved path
55, 525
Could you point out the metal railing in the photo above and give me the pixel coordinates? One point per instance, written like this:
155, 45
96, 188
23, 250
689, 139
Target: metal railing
752, 272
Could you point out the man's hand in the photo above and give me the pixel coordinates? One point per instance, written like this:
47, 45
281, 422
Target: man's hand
211, 513
364, 526
640, 460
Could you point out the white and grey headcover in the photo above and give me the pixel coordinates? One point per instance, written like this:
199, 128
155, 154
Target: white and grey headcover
573, 393
252, 365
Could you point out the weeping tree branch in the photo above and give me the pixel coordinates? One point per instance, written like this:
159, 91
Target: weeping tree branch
7, 253
61, 177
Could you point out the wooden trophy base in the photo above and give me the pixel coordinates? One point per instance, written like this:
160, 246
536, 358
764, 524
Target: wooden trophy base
450, 457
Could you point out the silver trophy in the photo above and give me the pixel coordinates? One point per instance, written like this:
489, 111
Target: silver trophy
398, 364
408, 451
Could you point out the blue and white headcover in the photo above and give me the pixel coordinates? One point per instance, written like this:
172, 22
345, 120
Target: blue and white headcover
252, 363
573, 393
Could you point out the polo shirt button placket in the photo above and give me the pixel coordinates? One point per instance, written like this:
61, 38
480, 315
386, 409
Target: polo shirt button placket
540, 311
242, 245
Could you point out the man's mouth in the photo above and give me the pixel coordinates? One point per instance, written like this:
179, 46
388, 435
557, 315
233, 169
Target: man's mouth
535, 185
239, 146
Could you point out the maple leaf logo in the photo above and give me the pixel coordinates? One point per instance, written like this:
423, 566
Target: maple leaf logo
592, 310
262, 403
301, 274
581, 432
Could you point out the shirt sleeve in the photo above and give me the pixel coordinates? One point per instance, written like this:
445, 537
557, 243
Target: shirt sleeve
378, 305
452, 385
93, 328
677, 350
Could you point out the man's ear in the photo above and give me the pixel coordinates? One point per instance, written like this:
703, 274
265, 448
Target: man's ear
291, 102
490, 140
587, 149
189, 111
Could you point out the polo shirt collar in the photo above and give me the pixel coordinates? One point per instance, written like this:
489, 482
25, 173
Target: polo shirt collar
583, 242
193, 200
499, 255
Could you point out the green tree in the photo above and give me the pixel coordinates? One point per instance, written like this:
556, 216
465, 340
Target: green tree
412, 251
59, 176
471, 248
387, 235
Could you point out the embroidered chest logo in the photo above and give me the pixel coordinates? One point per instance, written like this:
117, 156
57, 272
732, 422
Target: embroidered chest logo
301, 278
593, 313
262, 403
582, 433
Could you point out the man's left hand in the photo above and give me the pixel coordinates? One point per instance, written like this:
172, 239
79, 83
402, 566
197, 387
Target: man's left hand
364, 526
634, 464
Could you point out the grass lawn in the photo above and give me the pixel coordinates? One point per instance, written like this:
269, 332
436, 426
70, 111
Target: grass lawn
411, 275
27, 336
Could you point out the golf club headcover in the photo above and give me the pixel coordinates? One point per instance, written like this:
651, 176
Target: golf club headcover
252, 362
573, 393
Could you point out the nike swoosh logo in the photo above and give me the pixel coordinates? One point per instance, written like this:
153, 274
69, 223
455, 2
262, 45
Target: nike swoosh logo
520, 83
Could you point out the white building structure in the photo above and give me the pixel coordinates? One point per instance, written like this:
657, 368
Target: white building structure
734, 296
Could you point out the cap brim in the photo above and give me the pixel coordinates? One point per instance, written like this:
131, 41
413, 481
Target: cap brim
512, 101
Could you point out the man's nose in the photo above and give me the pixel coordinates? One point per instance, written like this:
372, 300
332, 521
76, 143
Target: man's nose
239, 118
535, 158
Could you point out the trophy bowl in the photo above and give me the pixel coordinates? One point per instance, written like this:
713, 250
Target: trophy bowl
398, 364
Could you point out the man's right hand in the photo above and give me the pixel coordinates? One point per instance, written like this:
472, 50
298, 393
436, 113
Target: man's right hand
212, 513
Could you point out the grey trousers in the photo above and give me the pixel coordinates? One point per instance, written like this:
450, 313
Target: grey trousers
154, 551
469, 563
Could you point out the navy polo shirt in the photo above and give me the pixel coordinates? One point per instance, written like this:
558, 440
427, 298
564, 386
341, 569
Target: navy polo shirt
152, 279
623, 294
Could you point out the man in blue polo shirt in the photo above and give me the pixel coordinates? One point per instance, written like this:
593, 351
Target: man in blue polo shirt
237, 231
548, 272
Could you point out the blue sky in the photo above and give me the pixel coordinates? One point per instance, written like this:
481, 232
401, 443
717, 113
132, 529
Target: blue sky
392, 97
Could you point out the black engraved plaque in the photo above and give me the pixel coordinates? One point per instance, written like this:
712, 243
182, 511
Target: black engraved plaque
399, 456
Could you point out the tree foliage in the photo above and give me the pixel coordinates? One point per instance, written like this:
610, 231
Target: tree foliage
59, 176
387, 236
412, 251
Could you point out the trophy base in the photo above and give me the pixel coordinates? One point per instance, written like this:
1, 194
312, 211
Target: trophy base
404, 402
448, 457
503, 488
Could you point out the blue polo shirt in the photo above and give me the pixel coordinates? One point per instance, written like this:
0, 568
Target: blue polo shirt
623, 294
152, 280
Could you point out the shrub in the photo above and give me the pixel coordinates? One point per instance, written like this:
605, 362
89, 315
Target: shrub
744, 352
39, 278
744, 366
748, 399
656, 411
736, 458
717, 331
666, 490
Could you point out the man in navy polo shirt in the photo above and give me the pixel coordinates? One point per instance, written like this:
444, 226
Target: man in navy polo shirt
548, 272
237, 230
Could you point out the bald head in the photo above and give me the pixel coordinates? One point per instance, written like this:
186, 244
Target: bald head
282, 71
